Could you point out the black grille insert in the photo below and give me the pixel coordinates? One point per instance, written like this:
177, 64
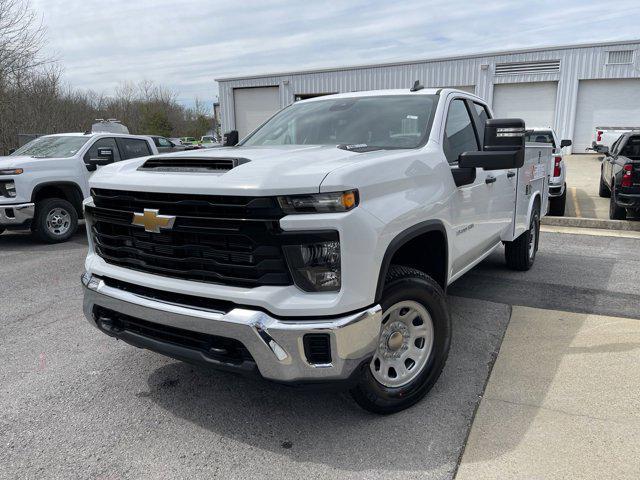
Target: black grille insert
191, 164
182, 299
317, 348
223, 349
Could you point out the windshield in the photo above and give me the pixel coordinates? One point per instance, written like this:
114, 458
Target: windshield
540, 136
398, 121
52, 147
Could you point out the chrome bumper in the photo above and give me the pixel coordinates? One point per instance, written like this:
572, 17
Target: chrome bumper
16, 214
275, 345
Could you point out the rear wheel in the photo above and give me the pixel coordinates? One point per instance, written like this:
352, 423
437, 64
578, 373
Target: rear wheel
55, 220
603, 191
616, 212
413, 345
521, 252
557, 204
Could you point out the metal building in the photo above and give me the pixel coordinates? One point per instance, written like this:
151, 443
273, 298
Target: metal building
572, 88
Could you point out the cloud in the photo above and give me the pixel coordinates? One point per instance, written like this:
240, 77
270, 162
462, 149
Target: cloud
185, 45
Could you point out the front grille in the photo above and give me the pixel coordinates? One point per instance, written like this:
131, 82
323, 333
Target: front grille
220, 239
223, 349
191, 301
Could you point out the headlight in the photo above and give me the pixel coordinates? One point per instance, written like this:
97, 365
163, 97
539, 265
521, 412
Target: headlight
315, 267
8, 189
11, 171
320, 202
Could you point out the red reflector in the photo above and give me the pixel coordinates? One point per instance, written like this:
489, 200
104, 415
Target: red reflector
627, 175
557, 169
599, 136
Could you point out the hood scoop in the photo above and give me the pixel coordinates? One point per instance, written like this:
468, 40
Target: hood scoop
191, 164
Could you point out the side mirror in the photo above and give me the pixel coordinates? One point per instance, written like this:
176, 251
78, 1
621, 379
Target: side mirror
602, 149
105, 157
231, 138
11, 150
565, 143
504, 141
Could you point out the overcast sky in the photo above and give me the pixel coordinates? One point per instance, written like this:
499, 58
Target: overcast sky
186, 44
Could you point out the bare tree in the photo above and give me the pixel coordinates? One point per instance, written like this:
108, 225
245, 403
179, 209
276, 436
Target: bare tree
21, 40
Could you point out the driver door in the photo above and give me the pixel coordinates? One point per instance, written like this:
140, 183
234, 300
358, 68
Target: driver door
473, 235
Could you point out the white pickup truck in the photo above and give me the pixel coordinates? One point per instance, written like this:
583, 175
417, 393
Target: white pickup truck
320, 248
607, 136
43, 183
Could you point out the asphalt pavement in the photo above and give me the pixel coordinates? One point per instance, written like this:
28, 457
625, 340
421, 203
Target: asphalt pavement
75, 403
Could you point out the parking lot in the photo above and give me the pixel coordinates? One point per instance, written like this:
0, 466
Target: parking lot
76, 404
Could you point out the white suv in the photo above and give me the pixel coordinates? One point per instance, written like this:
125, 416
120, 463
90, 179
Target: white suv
43, 183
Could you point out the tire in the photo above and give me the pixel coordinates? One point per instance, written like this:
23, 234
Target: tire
616, 212
412, 291
603, 191
557, 204
55, 220
521, 253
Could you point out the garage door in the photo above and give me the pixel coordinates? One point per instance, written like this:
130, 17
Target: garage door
533, 102
253, 106
605, 103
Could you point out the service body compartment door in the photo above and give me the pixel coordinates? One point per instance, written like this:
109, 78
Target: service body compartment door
532, 178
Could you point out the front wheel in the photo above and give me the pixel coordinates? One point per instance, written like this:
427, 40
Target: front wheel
55, 220
413, 345
521, 253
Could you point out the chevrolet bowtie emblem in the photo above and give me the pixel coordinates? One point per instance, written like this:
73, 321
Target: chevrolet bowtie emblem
152, 221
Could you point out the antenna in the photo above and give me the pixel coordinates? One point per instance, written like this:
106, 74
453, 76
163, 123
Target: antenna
416, 86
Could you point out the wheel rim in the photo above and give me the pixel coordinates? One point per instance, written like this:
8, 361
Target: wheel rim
404, 345
58, 221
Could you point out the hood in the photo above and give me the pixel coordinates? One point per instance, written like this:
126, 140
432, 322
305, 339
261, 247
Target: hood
269, 170
24, 161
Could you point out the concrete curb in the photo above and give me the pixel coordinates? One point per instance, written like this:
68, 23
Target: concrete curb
592, 223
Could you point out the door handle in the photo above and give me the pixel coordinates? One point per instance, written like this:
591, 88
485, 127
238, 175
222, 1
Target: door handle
511, 174
489, 179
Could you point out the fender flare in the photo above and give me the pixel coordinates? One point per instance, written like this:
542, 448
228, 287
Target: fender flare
406, 236
76, 192
532, 201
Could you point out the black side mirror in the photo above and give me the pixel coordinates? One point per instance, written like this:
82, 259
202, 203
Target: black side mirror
504, 141
11, 150
565, 143
105, 157
231, 138
602, 149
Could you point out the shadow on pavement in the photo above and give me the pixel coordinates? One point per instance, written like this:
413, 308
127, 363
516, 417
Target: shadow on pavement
329, 428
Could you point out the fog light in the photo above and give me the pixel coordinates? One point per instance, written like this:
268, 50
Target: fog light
315, 267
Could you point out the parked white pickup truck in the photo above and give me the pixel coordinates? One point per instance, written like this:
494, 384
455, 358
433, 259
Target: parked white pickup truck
43, 183
557, 170
319, 249
606, 137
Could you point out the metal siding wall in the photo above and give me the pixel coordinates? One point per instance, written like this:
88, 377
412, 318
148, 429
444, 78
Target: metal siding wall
575, 64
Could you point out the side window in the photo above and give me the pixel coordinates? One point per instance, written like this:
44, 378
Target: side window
483, 116
163, 142
103, 143
459, 135
133, 148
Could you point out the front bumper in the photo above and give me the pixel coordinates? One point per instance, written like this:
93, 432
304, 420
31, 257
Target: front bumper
17, 215
276, 346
